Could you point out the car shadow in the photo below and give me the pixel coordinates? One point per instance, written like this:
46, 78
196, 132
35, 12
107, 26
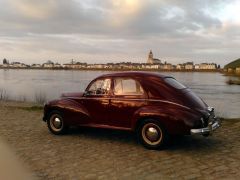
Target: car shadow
175, 143
194, 143
103, 134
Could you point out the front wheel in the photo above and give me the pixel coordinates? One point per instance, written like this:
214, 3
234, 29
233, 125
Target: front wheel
56, 123
152, 134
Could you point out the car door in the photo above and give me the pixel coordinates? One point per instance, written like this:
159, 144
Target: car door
96, 100
127, 97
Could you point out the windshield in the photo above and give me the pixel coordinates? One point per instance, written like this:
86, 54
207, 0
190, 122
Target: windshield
174, 83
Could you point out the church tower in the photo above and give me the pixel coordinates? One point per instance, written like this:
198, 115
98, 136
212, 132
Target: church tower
150, 57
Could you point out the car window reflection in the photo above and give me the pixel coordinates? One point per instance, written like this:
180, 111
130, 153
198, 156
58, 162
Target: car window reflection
100, 87
127, 87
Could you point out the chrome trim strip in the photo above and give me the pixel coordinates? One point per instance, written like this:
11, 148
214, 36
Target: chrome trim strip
131, 99
169, 102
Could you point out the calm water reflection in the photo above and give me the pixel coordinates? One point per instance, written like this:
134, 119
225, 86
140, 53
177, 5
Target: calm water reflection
211, 87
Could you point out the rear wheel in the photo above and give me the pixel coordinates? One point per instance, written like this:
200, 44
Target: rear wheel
152, 134
56, 123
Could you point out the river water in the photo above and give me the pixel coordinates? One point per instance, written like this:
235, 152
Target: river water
26, 84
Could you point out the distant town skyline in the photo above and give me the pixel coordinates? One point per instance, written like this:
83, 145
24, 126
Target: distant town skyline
151, 59
93, 31
151, 64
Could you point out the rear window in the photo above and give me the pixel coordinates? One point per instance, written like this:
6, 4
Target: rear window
174, 83
127, 87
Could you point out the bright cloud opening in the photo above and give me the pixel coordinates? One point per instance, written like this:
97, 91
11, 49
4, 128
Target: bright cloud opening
124, 10
231, 13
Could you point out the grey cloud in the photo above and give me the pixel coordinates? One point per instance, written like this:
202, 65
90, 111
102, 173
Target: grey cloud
75, 27
71, 17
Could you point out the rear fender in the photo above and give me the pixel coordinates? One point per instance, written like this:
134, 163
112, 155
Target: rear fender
175, 119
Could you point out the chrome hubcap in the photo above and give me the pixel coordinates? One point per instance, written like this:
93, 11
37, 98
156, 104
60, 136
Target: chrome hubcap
56, 122
152, 133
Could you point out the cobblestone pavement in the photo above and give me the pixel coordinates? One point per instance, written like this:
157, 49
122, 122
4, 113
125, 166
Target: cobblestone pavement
106, 154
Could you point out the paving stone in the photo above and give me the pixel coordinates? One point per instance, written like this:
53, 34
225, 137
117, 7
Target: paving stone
106, 154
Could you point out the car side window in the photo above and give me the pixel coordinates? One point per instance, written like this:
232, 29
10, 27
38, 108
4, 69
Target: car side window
127, 86
100, 87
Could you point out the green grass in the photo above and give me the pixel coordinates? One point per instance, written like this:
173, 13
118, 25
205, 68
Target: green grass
233, 64
32, 108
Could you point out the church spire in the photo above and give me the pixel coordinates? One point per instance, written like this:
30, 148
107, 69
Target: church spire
150, 57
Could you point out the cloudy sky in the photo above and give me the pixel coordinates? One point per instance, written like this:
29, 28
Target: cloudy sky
100, 31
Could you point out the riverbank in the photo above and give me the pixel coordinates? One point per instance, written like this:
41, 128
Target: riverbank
100, 154
233, 82
118, 69
234, 78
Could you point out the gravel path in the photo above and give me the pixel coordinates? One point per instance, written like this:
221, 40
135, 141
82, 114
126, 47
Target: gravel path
106, 154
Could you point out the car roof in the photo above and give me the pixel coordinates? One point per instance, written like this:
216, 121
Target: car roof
141, 74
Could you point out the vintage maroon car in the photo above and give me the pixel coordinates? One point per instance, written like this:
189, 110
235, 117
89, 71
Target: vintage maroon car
150, 104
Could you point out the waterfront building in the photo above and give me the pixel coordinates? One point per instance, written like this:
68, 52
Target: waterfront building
48, 64
75, 65
151, 66
36, 66
168, 66
238, 70
18, 65
152, 60
180, 67
208, 66
99, 66
6, 65
230, 70
57, 65
95, 66
197, 66
109, 65
189, 66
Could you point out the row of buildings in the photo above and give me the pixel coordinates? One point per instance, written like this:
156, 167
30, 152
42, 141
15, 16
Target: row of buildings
151, 64
121, 66
232, 70
135, 66
157, 63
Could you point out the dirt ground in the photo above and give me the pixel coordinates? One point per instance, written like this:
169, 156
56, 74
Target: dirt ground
105, 154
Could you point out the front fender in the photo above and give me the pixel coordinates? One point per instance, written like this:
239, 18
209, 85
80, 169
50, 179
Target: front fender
73, 112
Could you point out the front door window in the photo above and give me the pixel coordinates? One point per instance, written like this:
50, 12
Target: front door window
100, 87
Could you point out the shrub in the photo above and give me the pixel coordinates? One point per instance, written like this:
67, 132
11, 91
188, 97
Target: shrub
3, 94
40, 97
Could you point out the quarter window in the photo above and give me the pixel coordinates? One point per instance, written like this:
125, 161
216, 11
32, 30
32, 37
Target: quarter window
127, 87
100, 87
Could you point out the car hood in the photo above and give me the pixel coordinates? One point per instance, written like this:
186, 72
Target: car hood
76, 94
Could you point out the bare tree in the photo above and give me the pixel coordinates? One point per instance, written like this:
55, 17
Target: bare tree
5, 61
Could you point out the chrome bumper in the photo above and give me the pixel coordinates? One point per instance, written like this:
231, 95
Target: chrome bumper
212, 126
